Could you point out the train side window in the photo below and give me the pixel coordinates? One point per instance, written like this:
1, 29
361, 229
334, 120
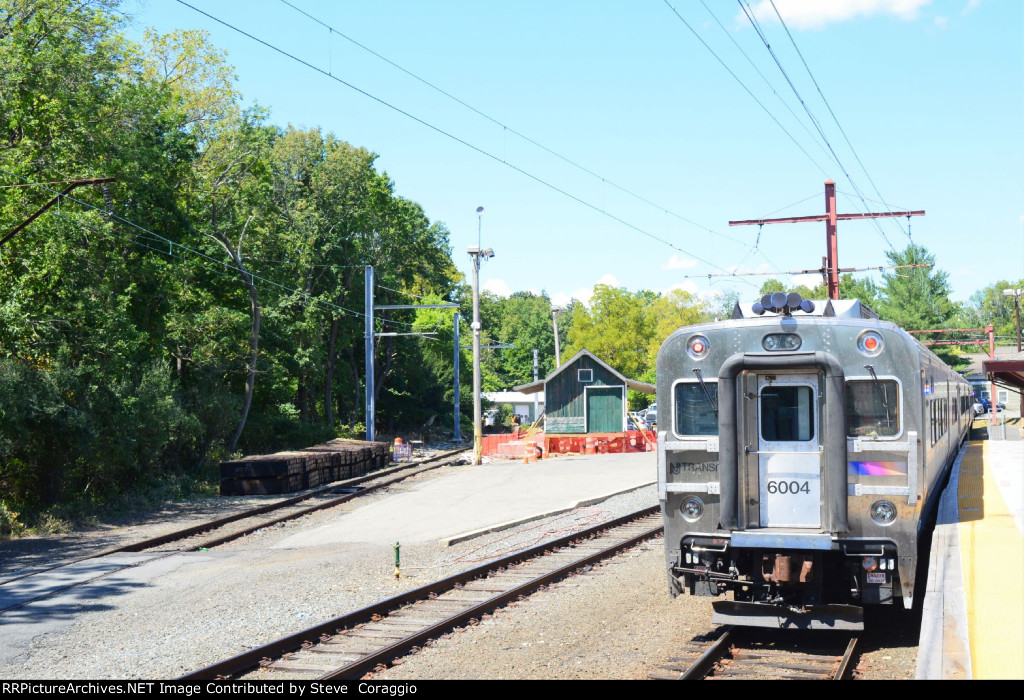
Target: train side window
694, 414
872, 408
787, 413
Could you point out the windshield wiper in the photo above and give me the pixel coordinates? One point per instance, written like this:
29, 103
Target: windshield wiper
706, 392
882, 394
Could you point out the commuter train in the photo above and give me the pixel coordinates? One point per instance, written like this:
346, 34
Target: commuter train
803, 446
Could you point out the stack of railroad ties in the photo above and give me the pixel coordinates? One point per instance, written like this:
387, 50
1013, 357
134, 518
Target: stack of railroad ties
285, 472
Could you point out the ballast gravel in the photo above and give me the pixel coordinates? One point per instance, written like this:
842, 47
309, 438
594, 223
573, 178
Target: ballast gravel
189, 610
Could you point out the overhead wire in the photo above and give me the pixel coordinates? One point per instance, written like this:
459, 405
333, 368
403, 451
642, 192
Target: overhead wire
814, 120
763, 77
743, 85
150, 236
834, 117
457, 139
509, 129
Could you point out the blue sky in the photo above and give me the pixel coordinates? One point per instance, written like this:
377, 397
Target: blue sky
607, 141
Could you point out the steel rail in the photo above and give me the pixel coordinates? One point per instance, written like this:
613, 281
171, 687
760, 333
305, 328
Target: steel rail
702, 665
185, 533
844, 664
357, 669
252, 658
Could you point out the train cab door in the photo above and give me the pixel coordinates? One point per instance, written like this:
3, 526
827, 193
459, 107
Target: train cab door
789, 450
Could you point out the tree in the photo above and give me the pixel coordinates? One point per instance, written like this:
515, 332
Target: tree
626, 329
915, 298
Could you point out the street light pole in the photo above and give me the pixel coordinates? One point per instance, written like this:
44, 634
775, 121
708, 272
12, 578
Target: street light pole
477, 254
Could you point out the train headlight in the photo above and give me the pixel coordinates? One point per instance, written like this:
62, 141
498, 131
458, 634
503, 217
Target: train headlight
692, 509
869, 563
883, 512
697, 347
774, 342
870, 343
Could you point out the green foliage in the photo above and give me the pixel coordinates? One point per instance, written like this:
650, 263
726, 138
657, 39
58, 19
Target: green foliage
136, 348
915, 298
626, 329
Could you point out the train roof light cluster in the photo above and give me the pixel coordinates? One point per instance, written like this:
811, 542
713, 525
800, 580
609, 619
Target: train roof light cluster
782, 303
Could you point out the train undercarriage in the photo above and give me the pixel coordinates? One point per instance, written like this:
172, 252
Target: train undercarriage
789, 588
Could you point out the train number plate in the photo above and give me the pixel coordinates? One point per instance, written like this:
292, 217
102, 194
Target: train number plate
876, 577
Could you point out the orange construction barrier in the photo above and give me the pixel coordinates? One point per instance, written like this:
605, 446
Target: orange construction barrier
591, 446
530, 453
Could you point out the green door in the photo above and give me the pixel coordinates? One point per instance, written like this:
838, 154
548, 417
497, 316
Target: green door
604, 409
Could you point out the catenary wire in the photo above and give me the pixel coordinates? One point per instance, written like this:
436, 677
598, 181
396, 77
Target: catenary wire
171, 244
814, 120
458, 139
834, 118
743, 85
509, 129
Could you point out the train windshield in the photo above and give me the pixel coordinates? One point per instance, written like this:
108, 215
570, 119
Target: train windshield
872, 408
787, 413
695, 414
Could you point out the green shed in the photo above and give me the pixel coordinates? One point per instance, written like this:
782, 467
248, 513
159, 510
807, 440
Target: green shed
585, 395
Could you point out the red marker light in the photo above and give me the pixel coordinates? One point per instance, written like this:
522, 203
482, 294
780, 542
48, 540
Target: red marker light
697, 347
870, 343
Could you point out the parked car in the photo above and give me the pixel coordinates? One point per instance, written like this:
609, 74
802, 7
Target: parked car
651, 418
981, 406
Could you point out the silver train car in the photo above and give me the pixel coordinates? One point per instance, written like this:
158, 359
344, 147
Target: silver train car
801, 449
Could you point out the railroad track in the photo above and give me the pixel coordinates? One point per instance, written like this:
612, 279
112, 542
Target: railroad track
21, 589
350, 646
745, 654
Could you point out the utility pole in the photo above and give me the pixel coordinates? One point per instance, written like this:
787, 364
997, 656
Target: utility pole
555, 310
458, 406
830, 269
368, 352
536, 401
1015, 293
476, 254
368, 337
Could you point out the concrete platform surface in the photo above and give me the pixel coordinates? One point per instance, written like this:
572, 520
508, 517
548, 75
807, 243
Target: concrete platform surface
972, 626
484, 497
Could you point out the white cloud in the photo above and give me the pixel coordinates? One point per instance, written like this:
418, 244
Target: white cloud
941, 21
583, 294
971, 6
678, 262
499, 287
815, 14
687, 286
809, 281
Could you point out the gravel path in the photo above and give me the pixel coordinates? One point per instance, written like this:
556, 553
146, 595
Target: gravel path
161, 620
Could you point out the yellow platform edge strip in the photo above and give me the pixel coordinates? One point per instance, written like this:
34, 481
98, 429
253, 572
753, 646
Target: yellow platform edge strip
992, 558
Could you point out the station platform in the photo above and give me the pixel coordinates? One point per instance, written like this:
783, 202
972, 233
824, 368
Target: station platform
972, 626
484, 499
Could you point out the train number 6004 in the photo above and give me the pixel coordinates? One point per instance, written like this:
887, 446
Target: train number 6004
789, 487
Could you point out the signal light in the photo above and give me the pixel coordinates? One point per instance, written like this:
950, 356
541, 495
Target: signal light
697, 347
870, 343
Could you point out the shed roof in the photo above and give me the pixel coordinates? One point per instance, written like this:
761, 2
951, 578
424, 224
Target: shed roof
1008, 370
534, 387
